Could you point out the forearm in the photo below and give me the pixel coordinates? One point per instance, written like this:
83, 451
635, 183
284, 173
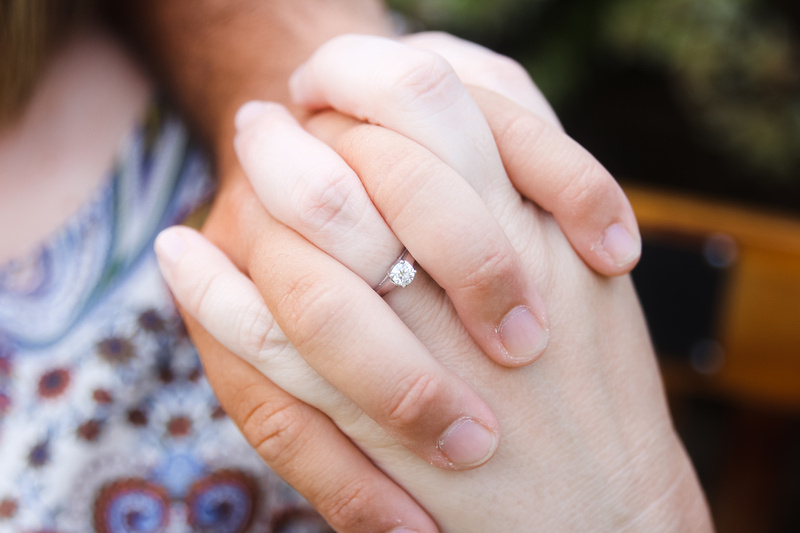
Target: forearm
214, 55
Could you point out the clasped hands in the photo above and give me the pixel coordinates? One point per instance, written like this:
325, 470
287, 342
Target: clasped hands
448, 150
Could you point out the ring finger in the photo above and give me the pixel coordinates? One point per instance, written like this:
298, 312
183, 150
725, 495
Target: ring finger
443, 221
308, 187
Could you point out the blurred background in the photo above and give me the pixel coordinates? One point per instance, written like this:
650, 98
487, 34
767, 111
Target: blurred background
694, 105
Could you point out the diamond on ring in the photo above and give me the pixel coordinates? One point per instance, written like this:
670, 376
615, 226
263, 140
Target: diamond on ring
402, 273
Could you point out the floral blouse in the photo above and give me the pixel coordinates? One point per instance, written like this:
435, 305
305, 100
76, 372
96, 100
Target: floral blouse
107, 422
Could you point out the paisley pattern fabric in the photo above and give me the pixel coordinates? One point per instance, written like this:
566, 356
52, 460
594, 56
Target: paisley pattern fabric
107, 423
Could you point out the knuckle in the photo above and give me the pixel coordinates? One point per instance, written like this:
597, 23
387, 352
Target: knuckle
275, 430
419, 76
257, 331
412, 399
494, 268
322, 197
521, 132
585, 190
300, 292
403, 184
349, 507
307, 305
199, 296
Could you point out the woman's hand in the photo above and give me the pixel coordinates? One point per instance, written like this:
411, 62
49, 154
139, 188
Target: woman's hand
432, 319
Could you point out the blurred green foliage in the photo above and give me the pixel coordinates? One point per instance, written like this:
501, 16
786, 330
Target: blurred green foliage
733, 66
464, 15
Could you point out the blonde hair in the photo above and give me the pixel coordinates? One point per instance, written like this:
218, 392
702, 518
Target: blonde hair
29, 32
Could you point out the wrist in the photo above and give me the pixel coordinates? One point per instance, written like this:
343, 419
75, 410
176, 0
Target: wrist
668, 499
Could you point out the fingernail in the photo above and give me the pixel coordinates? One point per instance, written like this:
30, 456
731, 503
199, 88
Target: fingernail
251, 111
169, 246
522, 335
467, 443
620, 245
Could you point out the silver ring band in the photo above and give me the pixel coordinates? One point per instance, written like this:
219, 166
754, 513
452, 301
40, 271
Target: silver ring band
400, 274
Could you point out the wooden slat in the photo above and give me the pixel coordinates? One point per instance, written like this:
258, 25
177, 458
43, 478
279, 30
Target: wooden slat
760, 326
756, 228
